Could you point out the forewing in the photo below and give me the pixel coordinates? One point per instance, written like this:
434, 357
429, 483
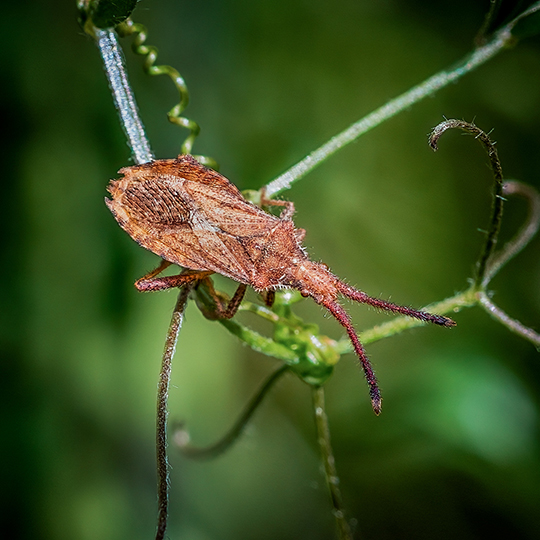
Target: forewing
230, 212
220, 252
161, 216
189, 215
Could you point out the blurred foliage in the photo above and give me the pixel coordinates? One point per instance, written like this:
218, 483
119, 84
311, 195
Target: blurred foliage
455, 452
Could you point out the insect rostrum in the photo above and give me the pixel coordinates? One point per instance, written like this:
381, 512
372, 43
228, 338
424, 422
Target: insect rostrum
194, 217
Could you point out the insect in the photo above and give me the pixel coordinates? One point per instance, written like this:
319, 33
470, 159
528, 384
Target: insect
194, 217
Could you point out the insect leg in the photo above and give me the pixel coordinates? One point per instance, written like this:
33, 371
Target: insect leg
223, 308
162, 265
269, 298
343, 318
362, 297
289, 206
150, 283
234, 302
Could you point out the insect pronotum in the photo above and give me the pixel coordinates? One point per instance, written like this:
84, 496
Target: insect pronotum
194, 217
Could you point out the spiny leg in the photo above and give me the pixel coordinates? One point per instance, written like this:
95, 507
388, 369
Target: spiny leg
288, 211
149, 282
343, 318
362, 297
224, 309
162, 266
234, 302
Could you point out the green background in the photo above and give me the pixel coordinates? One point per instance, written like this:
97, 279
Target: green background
455, 453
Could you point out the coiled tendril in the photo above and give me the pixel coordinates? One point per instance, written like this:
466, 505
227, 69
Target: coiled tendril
129, 28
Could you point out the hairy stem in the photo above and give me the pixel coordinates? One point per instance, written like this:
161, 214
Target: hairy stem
124, 99
392, 108
510, 250
162, 411
498, 199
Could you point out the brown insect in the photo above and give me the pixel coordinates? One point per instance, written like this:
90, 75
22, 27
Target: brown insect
194, 217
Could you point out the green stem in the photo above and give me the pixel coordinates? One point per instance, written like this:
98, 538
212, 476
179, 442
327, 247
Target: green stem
524, 236
512, 324
124, 99
329, 462
259, 343
150, 53
181, 436
414, 95
510, 250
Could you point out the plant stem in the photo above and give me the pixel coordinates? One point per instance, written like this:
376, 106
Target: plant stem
181, 436
124, 99
498, 199
330, 472
524, 236
162, 412
393, 107
512, 324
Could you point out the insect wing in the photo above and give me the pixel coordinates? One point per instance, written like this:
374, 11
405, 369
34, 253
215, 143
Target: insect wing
179, 245
190, 215
229, 212
220, 252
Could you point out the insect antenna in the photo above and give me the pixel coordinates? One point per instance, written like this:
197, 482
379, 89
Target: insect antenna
363, 298
343, 318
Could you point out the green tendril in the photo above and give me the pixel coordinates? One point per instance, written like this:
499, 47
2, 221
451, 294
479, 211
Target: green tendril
498, 198
181, 437
129, 28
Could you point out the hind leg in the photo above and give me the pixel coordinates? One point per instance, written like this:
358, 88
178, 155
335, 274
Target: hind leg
150, 283
223, 309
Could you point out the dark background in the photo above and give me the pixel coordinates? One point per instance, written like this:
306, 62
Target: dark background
455, 452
